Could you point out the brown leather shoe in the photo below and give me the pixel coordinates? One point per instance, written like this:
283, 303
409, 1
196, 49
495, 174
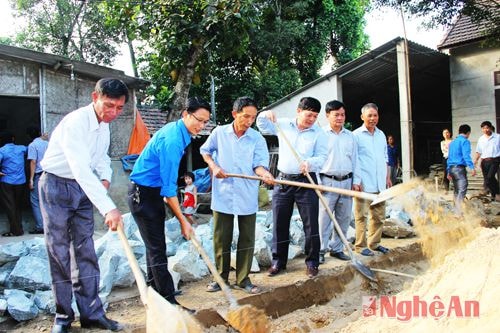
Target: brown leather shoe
274, 270
312, 271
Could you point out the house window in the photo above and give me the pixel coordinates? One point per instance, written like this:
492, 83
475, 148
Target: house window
496, 77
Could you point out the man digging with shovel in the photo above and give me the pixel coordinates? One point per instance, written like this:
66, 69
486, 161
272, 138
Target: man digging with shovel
240, 149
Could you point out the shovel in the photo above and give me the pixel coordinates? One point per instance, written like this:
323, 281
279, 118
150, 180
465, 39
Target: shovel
161, 316
358, 265
246, 319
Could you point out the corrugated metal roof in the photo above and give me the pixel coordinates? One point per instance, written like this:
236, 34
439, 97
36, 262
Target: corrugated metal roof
464, 31
377, 67
79, 67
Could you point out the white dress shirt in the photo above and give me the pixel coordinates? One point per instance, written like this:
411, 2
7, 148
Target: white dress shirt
310, 144
372, 160
488, 147
78, 149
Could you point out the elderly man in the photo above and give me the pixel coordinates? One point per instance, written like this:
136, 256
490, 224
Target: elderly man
77, 175
373, 177
239, 149
338, 172
310, 143
488, 151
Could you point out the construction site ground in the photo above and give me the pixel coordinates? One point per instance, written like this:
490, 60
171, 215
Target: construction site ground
295, 302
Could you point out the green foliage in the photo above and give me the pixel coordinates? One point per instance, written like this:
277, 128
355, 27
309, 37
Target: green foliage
70, 28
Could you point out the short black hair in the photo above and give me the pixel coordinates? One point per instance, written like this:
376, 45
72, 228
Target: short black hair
195, 103
464, 129
189, 174
310, 104
333, 106
487, 123
243, 101
112, 87
33, 132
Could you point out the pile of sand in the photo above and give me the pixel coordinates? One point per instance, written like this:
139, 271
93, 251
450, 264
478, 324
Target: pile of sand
470, 274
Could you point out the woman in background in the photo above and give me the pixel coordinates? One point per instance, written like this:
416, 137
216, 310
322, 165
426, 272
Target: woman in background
444, 149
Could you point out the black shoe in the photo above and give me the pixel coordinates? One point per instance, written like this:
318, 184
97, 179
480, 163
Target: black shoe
340, 255
103, 322
59, 328
321, 259
274, 270
382, 249
312, 271
36, 231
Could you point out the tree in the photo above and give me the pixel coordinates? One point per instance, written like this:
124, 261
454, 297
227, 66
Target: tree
444, 12
71, 28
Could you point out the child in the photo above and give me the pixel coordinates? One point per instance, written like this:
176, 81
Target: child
190, 198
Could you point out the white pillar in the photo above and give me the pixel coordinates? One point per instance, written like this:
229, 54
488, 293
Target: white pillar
405, 111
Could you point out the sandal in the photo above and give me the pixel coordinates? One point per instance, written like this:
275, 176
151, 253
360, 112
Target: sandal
382, 249
213, 286
249, 288
8, 234
367, 252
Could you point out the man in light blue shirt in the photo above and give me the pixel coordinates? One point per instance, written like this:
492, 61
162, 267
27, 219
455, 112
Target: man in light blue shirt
310, 143
338, 172
373, 177
242, 150
36, 151
12, 180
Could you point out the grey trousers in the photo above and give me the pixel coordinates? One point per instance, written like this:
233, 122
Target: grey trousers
341, 207
68, 226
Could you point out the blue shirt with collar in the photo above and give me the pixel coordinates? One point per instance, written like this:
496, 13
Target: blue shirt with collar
236, 155
459, 153
12, 164
158, 164
372, 160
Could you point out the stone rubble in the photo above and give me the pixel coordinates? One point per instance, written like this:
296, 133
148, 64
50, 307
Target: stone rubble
24, 264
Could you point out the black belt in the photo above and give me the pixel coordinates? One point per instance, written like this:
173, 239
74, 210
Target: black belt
490, 159
294, 176
457, 166
339, 179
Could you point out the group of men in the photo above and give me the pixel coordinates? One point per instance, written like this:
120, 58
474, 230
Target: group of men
76, 176
459, 158
13, 178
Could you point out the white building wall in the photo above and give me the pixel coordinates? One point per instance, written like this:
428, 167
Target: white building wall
324, 91
472, 87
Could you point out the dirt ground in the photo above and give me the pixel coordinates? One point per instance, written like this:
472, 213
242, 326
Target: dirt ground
127, 308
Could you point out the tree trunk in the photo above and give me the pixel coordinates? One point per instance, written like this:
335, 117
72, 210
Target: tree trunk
181, 90
132, 56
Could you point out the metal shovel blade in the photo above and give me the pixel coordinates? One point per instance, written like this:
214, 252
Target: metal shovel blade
394, 191
364, 270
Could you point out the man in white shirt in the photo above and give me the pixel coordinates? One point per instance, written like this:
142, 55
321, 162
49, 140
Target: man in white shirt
338, 172
373, 177
488, 150
77, 175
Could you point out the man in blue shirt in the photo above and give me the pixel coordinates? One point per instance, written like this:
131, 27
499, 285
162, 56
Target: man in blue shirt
373, 177
12, 180
240, 149
36, 151
311, 144
154, 182
459, 157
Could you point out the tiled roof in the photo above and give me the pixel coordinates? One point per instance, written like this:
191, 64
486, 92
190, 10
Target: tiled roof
156, 119
153, 118
464, 31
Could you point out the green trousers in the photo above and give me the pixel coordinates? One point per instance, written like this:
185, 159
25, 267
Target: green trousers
223, 236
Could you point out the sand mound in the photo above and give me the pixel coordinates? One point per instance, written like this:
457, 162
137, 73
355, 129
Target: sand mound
459, 295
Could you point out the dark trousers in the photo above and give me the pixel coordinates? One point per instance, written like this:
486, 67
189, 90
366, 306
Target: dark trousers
446, 181
68, 221
148, 209
284, 198
12, 196
223, 237
489, 167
